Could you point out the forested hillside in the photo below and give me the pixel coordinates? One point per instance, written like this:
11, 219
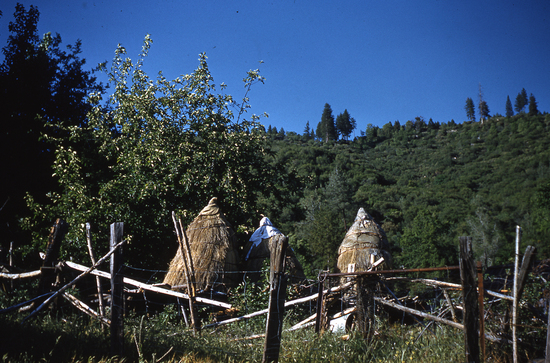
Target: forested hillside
426, 183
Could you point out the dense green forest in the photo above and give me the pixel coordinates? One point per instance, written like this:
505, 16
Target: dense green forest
151, 146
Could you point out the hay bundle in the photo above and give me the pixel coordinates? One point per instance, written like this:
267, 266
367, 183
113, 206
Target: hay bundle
257, 251
213, 251
364, 239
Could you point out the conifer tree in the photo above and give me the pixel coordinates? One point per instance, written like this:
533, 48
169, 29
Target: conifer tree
521, 101
509, 109
470, 109
533, 109
328, 128
345, 124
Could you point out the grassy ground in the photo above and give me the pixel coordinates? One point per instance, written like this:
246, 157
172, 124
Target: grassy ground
162, 338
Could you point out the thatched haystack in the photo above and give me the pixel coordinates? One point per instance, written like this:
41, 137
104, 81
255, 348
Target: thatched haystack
214, 251
364, 239
257, 251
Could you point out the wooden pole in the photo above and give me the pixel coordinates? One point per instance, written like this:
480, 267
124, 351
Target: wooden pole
85, 308
117, 293
515, 301
48, 278
277, 296
148, 287
469, 294
188, 271
547, 360
97, 280
525, 263
86, 272
481, 310
320, 309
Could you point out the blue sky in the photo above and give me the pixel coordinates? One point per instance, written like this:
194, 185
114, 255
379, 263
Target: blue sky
381, 60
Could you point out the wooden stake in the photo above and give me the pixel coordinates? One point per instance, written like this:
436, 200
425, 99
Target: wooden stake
277, 296
320, 309
516, 296
469, 294
117, 292
97, 280
148, 287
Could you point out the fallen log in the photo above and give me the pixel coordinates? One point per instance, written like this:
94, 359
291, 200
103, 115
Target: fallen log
148, 287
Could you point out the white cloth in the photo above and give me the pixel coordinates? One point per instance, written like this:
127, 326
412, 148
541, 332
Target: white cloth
266, 230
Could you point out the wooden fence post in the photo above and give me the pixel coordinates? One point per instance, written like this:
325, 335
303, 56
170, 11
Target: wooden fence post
481, 310
515, 301
117, 291
277, 297
48, 276
365, 305
469, 294
319, 321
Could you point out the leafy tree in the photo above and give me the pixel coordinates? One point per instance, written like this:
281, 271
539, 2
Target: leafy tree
164, 146
509, 109
425, 242
328, 216
345, 124
533, 110
470, 109
41, 87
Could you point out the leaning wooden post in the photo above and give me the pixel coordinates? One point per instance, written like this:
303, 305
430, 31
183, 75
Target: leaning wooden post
187, 270
547, 360
469, 295
515, 301
277, 297
47, 279
365, 305
117, 298
97, 280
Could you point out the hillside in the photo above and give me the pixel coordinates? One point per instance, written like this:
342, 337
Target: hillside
425, 183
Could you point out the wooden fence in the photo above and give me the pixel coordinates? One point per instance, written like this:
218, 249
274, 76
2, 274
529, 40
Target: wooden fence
364, 286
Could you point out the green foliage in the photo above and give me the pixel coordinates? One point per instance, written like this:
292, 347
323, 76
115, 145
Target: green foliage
426, 243
159, 146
